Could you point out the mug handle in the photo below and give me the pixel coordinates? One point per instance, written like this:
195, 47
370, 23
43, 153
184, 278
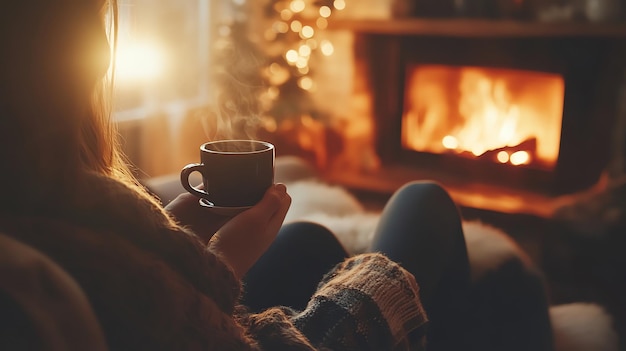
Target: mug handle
184, 179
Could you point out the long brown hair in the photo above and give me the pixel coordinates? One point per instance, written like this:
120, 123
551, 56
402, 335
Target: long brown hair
101, 148
101, 151
55, 107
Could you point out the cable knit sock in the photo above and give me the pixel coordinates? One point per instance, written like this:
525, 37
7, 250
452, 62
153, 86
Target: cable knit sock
367, 302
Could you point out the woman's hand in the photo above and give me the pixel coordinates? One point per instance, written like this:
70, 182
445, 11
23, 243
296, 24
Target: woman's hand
188, 212
243, 239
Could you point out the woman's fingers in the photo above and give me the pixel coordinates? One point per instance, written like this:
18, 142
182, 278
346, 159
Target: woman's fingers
188, 212
245, 238
272, 201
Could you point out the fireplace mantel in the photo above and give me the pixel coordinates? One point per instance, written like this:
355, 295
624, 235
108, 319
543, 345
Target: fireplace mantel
478, 28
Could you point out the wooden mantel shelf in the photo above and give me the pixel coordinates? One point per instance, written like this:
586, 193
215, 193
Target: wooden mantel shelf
482, 28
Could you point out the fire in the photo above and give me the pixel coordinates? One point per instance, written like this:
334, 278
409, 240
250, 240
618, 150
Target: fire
508, 116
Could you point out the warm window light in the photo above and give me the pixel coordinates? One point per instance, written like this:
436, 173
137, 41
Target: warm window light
163, 65
139, 62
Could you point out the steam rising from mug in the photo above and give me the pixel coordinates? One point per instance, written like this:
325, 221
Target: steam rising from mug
222, 126
238, 105
236, 168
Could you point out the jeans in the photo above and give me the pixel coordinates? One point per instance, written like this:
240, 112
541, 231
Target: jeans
420, 228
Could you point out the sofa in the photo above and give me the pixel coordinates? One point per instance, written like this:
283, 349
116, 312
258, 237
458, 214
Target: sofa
43, 308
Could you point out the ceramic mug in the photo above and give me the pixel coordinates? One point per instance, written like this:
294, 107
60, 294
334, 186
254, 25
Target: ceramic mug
235, 173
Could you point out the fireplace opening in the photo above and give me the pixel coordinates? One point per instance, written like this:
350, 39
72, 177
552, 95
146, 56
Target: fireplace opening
503, 116
533, 114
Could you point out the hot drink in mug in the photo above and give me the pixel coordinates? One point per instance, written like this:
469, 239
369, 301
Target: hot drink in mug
235, 173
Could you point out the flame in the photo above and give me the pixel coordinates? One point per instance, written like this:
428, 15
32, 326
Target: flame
491, 120
510, 116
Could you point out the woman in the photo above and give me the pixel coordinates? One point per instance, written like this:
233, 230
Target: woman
163, 279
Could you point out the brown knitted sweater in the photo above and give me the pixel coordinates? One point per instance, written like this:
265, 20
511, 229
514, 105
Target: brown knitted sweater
155, 286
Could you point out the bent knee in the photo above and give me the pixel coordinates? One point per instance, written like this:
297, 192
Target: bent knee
426, 189
306, 231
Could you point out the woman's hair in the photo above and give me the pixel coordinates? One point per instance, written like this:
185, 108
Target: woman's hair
101, 151
55, 96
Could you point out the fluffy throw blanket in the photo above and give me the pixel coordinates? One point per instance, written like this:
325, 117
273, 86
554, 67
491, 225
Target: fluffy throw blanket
493, 256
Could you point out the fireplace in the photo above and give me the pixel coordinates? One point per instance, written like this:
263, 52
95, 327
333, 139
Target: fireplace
503, 116
524, 111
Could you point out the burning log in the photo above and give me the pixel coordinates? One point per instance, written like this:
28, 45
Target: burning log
527, 151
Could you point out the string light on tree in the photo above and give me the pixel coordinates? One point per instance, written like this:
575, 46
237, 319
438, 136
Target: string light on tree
293, 27
277, 66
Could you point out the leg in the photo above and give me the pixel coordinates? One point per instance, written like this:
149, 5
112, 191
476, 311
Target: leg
420, 228
288, 273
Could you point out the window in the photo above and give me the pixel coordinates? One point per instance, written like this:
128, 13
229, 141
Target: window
162, 59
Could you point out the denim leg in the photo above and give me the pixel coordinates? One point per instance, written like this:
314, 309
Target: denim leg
289, 271
420, 228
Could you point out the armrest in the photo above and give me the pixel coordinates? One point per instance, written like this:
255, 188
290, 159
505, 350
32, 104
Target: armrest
41, 306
